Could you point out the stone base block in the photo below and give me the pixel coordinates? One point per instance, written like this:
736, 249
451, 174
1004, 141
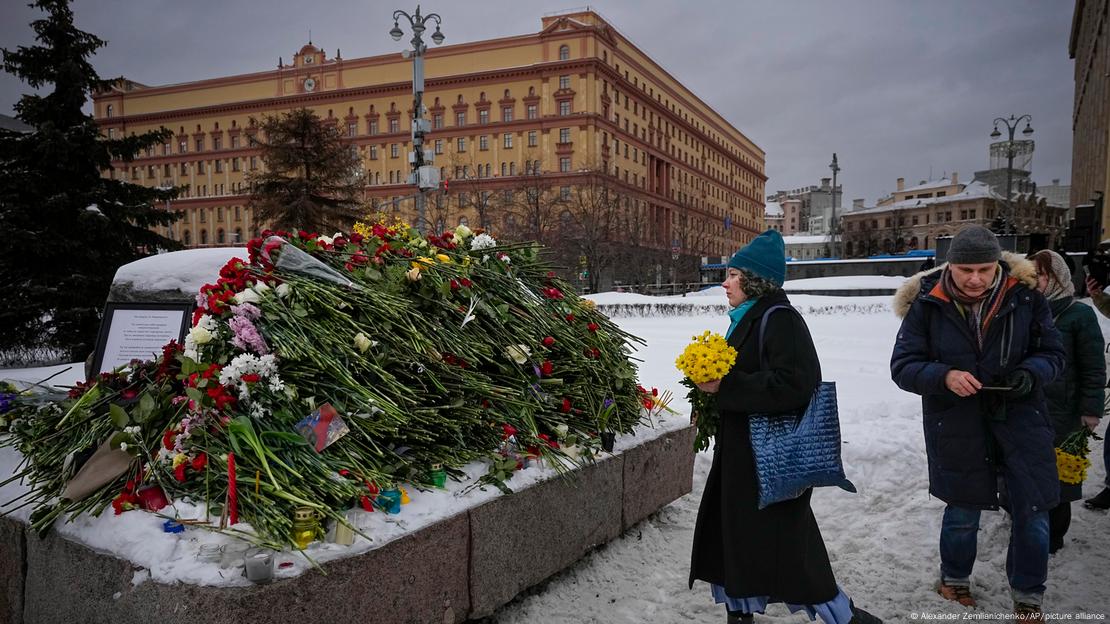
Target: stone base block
521, 540
656, 473
419, 578
464, 567
12, 564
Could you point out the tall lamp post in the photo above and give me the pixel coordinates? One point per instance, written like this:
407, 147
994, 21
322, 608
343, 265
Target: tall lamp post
424, 175
1011, 124
166, 185
832, 227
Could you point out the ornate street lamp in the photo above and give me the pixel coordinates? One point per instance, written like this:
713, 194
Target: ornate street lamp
424, 175
1010, 222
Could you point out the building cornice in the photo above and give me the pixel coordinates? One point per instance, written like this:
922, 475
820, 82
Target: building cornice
398, 89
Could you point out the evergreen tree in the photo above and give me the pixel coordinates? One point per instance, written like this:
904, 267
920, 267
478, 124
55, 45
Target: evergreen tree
67, 228
311, 176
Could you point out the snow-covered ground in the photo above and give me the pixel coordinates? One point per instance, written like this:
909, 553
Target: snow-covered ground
882, 541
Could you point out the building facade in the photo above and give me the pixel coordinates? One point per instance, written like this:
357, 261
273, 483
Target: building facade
571, 102
1056, 194
815, 203
912, 218
773, 216
808, 247
1090, 161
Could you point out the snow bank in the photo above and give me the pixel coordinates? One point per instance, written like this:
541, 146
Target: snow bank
186, 270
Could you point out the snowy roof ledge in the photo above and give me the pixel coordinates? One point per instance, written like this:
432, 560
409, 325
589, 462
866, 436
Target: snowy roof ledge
171, 273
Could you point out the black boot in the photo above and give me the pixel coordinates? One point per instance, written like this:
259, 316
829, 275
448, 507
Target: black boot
1101, 501
859, 616
738, 617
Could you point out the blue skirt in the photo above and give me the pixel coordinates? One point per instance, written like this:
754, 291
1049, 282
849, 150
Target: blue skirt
836, 611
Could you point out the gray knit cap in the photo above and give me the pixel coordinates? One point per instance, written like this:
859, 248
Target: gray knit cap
974, 244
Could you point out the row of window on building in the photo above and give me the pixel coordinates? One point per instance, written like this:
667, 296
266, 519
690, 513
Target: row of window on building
221, 238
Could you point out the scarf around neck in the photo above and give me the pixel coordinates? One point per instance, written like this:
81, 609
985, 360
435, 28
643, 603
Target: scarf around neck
977, 311
737, 314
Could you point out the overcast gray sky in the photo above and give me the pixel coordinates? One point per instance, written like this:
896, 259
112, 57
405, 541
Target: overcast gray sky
896, 88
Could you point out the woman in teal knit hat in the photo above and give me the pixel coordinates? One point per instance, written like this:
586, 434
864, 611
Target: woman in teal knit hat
751, 557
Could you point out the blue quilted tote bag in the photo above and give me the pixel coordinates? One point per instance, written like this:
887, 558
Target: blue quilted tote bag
797, 450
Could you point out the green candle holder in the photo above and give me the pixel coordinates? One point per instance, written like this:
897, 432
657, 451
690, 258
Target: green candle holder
438, 476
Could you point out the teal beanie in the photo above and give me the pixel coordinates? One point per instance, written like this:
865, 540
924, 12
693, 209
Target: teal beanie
765, 256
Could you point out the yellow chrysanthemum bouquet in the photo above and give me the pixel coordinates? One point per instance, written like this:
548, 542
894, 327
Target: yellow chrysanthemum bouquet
706, 358
1071, 457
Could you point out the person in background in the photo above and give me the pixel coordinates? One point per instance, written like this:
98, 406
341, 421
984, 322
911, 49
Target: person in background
978, 344
1075, 399
1099, 297
751, 556
1101, 301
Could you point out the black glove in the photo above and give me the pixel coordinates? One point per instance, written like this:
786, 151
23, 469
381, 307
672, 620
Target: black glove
1020, 382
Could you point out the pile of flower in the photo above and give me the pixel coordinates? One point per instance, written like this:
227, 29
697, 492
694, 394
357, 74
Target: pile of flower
1071, 456
321, 371
707, 358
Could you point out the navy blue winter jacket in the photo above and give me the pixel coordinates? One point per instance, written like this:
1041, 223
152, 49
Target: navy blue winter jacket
970, 441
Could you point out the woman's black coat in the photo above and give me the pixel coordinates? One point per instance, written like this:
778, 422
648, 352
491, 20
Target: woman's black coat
776, 552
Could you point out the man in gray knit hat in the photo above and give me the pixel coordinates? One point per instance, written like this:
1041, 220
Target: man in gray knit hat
978, 344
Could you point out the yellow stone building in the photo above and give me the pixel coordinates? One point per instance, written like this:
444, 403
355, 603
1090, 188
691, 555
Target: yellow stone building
561, 104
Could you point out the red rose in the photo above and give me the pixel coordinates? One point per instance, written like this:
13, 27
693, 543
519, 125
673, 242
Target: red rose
547, 367
507, 430
592, 327
199, 462
566, 406
251, 378
548, 341
366, 504
467, 283
570, 318
454, 284
179, 472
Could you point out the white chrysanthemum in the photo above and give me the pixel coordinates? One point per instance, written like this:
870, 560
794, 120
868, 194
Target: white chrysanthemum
483, 241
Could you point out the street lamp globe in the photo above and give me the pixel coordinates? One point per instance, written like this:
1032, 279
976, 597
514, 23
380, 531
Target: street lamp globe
437, 36
996, 133
396, 32
1028, 129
